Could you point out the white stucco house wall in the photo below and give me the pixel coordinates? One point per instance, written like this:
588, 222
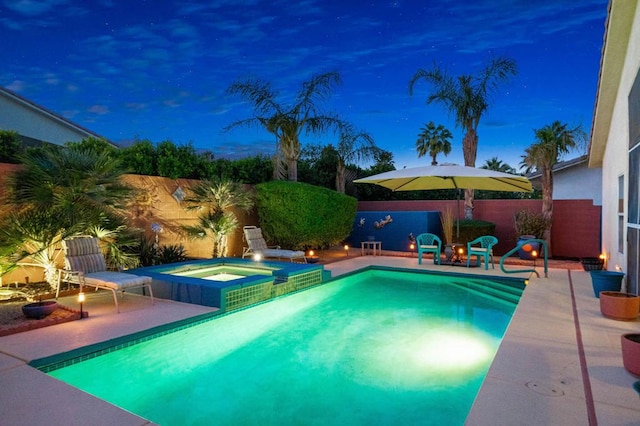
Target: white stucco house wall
35, 123
573, 180
615, 138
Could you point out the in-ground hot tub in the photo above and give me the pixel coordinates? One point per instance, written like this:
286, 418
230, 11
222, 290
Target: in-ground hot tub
230, 283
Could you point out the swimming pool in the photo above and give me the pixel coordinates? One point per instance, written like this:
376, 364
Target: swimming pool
230, 283
376, 347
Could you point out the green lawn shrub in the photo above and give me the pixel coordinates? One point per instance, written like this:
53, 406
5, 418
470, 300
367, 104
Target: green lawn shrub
296, 215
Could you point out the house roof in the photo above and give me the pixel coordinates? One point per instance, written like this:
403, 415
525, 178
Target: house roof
49, 114
614, 49
561, 166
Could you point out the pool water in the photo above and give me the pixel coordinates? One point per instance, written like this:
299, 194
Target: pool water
224, 272
376, 347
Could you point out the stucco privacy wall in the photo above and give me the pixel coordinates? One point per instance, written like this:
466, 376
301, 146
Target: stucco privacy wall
154, 203
575, 231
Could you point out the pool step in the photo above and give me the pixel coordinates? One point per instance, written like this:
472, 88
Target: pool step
488, 288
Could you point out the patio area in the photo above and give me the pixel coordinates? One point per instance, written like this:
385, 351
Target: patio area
541, 374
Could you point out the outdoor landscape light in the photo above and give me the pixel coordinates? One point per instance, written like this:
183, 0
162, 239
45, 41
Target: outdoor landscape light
81, 300
257, 257
603, 257
534, 254
311, 253
346, 248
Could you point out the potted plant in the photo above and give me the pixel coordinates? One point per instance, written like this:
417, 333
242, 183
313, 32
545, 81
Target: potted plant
592, 263
619, 306
630, 344
606, 281
446, 219
529, 226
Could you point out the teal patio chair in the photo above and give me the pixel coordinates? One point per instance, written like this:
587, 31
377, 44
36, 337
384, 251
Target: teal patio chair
485, 249
429, 243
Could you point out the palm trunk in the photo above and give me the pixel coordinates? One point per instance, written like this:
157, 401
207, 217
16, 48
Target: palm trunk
292, 169
341, 177
469, 150
547, 203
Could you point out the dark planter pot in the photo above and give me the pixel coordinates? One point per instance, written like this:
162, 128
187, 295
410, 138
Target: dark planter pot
526, 249
619, 306
39, 310
606, 281
312, 259
592, 263
630, 344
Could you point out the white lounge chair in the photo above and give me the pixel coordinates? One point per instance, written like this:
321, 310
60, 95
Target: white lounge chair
85, 265
258, 246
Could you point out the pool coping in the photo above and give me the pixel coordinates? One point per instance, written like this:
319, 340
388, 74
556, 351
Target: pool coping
538, 354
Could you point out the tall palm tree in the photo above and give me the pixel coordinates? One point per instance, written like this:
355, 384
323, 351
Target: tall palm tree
467, 98
288, 122
552, 141
353, 146
433, 141
498, 165
216, 201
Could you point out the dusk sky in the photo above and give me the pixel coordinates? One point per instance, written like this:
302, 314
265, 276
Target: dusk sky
158, 70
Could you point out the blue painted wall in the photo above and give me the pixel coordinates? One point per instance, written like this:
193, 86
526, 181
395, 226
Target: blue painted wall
395, 234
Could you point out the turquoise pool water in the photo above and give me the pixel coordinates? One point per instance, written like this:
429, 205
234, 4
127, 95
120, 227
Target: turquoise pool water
225, 272
376, 347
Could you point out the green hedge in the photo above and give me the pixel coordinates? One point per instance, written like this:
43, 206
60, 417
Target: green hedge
472, 229
296, 215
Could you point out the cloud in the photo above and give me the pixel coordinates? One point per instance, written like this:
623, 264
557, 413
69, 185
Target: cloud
99, 109
16, 86
33, 7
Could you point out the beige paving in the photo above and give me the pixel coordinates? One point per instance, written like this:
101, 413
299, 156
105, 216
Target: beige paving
536, 378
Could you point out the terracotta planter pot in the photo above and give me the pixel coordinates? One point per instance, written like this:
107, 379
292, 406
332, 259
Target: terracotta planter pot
631, 352
39, 310
619, 306
606, 281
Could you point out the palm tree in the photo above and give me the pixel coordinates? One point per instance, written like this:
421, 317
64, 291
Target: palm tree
217, 199
498, 165
353, 147
433, 141
288, 122
467, 98
58, 193
553, 141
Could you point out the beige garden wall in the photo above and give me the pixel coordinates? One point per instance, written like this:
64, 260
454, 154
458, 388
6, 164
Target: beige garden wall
153, 203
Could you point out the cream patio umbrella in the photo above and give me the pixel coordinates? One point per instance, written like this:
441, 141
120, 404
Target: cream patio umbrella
448, 176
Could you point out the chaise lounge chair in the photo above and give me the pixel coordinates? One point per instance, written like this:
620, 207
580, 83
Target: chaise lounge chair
85, 265
258, 246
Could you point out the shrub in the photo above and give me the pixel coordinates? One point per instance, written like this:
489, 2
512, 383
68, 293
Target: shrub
296, 215
529, 223
472, 229
171, 253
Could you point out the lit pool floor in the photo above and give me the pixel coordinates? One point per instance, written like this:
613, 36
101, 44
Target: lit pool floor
374, 348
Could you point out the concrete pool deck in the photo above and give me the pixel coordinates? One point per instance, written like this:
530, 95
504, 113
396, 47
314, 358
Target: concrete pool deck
536, 378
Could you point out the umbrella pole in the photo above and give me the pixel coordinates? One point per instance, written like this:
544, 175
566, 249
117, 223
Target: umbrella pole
458, 221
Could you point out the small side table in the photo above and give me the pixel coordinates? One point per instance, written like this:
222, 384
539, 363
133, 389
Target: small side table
371, 245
